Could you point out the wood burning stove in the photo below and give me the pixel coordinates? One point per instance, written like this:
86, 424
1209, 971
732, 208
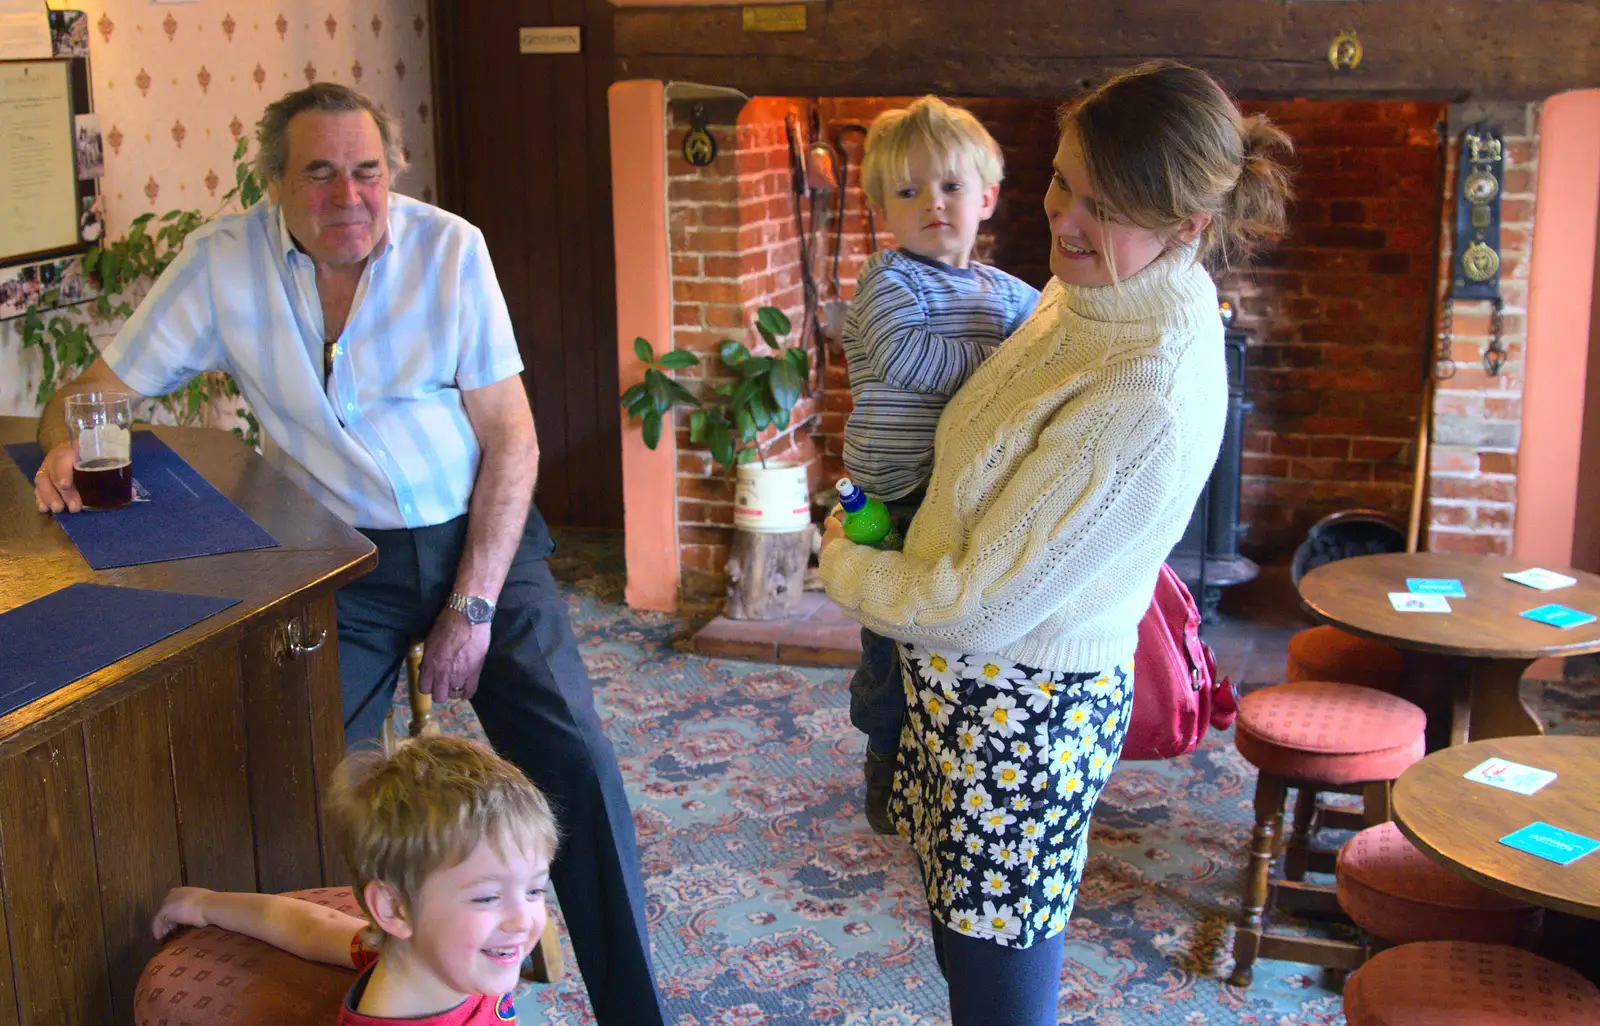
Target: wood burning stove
1214, 528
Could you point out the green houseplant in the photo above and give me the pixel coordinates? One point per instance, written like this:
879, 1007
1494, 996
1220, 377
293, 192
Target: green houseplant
729, 422
62, 334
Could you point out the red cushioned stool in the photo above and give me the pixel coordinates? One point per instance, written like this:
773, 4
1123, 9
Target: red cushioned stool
1327, 653
1314, 736
1401, 896
210, 976
1450, 983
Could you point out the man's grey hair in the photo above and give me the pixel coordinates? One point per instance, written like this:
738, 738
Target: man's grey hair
272, 131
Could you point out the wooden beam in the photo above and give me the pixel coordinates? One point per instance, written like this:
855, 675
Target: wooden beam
1413, 49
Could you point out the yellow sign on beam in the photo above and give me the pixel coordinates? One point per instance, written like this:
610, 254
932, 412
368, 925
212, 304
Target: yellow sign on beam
550, 39
775, 18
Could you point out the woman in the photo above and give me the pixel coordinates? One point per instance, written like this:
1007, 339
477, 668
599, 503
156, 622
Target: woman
1064, 472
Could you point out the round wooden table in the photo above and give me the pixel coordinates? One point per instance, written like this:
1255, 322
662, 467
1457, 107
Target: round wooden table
1460, 822
1463, 667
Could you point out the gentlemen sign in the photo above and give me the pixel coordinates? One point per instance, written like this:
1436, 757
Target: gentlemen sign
550, 39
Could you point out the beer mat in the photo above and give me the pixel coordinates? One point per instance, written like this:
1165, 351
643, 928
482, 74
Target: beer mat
184, 517
69, 634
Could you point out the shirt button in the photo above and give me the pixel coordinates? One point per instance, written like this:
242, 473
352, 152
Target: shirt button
349, 407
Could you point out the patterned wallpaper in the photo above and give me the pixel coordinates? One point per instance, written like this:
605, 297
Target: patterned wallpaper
175, 85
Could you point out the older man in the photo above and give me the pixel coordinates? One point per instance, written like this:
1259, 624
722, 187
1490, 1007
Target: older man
371, 338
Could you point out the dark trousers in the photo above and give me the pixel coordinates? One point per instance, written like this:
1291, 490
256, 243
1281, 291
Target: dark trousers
537, 707
877, 694
992, 985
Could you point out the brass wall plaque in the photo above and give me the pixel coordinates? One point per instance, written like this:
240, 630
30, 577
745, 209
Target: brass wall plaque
550, 39
775, 18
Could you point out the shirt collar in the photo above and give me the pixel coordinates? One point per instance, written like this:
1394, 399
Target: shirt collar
289, 251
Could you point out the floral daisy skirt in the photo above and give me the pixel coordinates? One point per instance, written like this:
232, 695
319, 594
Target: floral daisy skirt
1000, 767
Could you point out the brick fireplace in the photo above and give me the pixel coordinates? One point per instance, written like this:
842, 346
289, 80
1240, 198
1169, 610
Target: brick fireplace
1342, 316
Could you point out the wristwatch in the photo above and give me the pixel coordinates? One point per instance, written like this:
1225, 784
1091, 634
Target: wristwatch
476, 610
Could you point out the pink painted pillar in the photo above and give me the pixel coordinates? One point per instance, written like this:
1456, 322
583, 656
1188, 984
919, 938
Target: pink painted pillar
644, 308
1560, 307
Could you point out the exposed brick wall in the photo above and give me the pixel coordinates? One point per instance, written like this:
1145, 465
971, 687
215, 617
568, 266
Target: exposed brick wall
1339, 316
734, 248
1478, 418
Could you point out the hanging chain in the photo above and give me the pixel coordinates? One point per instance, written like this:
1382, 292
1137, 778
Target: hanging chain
1494, 358
1444, 364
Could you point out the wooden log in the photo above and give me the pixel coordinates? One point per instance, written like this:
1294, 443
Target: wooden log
766, 574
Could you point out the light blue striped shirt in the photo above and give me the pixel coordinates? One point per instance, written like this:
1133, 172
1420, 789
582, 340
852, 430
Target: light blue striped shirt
916, 331
388, 443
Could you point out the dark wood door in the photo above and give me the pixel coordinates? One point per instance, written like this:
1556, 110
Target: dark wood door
524, 154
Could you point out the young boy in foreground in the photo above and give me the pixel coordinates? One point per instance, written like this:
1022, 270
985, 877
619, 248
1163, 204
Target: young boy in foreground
450, 847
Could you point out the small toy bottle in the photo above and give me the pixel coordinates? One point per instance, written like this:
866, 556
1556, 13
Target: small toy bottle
866, 520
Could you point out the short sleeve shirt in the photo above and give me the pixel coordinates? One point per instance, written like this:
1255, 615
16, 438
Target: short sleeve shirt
380, 434
476, 1010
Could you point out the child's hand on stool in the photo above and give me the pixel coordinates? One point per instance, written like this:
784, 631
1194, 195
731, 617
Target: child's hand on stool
183, 906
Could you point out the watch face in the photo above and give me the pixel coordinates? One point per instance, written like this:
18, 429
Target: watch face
1481, 187
479, 611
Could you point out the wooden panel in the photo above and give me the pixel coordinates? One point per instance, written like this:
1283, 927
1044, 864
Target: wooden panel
536, 183
205, 712
135, 831
1478, 49
283, 786
8, 987
327, 726
51, 890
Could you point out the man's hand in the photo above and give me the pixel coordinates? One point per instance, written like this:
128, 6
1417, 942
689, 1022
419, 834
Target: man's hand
183, 906
52, 485
452, 657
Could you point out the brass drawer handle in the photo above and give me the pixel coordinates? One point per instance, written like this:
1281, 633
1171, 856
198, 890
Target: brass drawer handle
292, 629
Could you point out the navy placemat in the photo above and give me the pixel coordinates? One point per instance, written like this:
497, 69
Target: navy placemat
185, 516
68, 634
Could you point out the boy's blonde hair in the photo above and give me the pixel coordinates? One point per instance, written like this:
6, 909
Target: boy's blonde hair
427, 807
953, 136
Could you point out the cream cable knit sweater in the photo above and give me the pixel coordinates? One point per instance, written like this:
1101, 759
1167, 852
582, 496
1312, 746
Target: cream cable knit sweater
1064, 472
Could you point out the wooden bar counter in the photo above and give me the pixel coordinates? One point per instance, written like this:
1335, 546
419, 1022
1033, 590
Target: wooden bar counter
198, 760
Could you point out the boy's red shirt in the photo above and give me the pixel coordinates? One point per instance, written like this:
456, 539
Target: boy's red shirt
476, 1010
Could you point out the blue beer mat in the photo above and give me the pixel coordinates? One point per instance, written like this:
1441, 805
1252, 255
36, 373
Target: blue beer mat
68, 634
185, 516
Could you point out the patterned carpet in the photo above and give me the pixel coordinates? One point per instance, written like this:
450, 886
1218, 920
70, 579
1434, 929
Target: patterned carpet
771, 902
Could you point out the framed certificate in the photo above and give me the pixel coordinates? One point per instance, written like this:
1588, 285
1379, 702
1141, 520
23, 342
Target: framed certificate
39, 204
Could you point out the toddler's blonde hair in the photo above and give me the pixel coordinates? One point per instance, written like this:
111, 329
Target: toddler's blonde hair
427, 807
953, 136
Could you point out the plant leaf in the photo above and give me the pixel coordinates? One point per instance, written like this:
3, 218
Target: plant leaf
632, 395
642, 349
801, 361
679, 394
766, 335
678, 359
785, 383
745, 422
773, 320
732, 353
697, 427
652, 428
720, 444
756, 367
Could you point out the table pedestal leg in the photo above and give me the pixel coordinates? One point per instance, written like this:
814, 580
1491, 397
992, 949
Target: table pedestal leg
1468, 699
1497, 706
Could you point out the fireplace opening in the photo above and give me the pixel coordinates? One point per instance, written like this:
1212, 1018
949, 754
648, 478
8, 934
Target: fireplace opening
1335, 327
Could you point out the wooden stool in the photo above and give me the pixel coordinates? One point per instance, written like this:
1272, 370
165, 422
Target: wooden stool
547, 965
1313, 736
1398, 895
422, 722
1327, 653
1448, 983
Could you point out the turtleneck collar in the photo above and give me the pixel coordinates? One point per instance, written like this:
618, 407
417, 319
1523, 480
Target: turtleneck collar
1173, 279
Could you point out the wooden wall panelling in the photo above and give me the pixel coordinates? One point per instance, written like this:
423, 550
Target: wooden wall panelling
283, 784
8, 987
135, 831
1477, 49
327, 726
205, 711
51, 885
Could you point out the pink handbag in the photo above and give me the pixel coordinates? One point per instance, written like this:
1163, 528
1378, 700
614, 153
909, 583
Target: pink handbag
1176, 693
